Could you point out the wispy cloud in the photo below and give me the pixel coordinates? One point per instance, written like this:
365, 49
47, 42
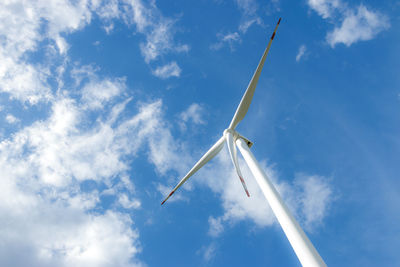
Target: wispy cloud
249, 17
215, 226
169, 70
315, 195
301, 52
351, 24
230, 38
325, 8
159, 30
249, 14
127, 203
11, 119
194, 113
96, 93
208, 252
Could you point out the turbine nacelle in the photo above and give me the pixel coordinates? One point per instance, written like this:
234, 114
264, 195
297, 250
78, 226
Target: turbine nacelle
237, 135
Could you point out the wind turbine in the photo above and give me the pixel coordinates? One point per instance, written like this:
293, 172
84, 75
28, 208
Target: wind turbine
304, 249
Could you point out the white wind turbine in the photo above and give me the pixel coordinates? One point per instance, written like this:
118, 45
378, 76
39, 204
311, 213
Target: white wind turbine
304, 249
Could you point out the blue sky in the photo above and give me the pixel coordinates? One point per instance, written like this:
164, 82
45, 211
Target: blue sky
105, 105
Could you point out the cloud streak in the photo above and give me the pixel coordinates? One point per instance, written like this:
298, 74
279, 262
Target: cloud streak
230, 38
301, 52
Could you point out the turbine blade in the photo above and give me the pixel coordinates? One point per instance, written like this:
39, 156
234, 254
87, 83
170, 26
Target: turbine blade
248, 95
233, 154
212, 152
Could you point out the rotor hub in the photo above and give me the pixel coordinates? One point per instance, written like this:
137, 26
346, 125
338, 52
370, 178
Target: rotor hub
233, 132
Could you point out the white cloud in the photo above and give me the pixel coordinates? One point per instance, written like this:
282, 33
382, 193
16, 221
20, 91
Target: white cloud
315, 196
216, 227
24, 25
246, 24
21, 22
248, 9
23, 81
43, 166
360, 25
125, 202
209, 251
165, 152
223, 180
55, 233
169, 70
325, 8
194, 113
159, 31
230, 39
300, 53
107, 10
61, 45
96, 93
45, 213
356, 24
165, 190
64, 16
60, 150
249, 14
11, 119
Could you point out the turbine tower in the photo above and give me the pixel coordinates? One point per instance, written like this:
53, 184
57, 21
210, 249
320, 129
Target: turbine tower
304, 249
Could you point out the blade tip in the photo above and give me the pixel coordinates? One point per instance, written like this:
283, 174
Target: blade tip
170, 194
279, 21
